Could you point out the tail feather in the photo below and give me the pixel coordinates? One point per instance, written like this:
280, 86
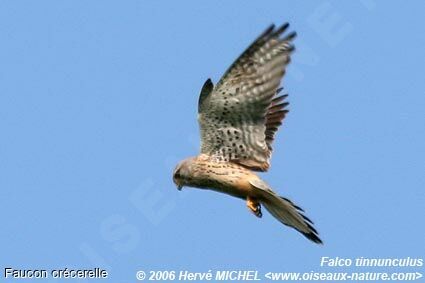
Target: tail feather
293, 204
290, 215
286, 211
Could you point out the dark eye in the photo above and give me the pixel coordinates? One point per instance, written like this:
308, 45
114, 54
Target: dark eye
177, 174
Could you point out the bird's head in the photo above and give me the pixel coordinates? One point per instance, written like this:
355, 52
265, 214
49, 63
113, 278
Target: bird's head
182, 173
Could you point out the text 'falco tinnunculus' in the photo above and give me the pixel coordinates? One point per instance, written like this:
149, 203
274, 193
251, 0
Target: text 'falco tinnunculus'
238, 119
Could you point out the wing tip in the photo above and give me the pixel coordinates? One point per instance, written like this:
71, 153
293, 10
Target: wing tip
207, 88
290, 36
267, 31
281, 29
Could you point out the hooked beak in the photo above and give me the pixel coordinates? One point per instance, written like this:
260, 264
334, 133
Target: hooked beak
178, 184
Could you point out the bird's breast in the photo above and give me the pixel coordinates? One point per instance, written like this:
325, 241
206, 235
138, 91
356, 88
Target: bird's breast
225, 177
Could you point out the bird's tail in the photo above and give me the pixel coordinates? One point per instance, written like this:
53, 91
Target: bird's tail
287, 212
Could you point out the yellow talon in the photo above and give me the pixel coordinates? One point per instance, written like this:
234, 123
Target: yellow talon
254, 206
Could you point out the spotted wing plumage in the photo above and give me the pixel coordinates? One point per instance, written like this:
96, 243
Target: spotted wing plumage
239, 116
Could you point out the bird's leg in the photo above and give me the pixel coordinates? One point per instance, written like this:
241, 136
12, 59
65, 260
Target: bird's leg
254, 205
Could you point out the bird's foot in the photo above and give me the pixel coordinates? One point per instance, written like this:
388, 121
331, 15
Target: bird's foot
254, 206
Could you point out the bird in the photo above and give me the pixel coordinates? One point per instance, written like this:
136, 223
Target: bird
238, 119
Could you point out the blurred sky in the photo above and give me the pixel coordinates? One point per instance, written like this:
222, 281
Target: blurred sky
98, 103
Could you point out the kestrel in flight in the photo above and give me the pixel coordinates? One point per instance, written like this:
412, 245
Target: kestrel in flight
238, 118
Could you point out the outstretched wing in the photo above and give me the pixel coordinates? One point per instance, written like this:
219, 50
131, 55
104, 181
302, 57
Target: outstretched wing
240, 115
